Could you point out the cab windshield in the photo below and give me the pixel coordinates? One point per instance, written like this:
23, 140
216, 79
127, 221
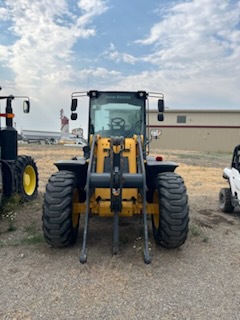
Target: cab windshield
117, 114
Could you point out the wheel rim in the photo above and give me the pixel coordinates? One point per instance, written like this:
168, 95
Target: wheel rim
75, 214
156, 219
29, 180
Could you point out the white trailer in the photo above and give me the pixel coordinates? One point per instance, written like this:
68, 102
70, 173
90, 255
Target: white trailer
47, 137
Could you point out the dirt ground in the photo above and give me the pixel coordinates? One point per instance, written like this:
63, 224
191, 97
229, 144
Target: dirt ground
199, 280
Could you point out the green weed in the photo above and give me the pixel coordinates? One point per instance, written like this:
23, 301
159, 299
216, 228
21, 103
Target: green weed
8, 211
33, 239
197, 231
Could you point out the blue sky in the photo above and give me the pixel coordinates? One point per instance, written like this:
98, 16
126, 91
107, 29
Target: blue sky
188, 50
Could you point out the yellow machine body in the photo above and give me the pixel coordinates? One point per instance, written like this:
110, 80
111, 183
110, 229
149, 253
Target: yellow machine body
100, 203
116, 177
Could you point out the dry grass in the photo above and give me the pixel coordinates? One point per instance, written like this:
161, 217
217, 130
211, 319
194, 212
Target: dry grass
45, 157
202, 172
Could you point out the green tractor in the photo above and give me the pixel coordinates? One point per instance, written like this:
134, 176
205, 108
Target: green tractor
18, 174
116, 177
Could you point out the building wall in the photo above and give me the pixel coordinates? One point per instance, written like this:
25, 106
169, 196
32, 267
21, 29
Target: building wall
204, 130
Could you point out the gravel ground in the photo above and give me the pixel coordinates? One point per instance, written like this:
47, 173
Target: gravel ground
199, 280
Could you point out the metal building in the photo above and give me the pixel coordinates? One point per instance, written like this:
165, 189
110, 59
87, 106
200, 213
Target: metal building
200, 130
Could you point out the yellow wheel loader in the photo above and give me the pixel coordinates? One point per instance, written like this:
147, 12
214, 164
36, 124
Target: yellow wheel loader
116, 177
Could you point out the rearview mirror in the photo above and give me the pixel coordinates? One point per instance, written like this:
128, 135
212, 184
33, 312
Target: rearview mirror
74, 116
26, 106
160, 117
74, 104
160, 105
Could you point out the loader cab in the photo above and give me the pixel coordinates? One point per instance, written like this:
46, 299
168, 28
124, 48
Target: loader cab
117, 113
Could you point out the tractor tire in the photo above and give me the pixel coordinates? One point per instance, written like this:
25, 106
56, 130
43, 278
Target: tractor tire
26, 178
225, 202
60, 221
170, 227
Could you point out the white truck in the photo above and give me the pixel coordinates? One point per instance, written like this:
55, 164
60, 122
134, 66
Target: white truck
229, 198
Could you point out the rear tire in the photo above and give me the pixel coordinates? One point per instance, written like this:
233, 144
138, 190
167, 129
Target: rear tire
170, 228
60, 221
225, 202
27, 178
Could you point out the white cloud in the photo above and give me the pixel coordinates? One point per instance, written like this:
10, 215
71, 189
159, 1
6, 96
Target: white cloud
3, 13
90, 8
112, 54
197, 22
93, 6
195, 52
4, 53
41, 56
191, 54
46, 33
43, 43
97, 73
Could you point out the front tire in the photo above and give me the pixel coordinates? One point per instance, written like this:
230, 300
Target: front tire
225, 202
170, 227
60, 218
27, 178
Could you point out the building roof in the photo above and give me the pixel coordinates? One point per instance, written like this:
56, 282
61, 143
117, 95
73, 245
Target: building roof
197, 110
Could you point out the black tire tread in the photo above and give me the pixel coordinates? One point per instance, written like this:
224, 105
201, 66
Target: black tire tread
57, 210
21, 163
174, 210
225, 202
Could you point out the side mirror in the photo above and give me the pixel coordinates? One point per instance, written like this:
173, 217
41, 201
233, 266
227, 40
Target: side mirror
26, 106
74, 104
160, 117
160, 105
74, 116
